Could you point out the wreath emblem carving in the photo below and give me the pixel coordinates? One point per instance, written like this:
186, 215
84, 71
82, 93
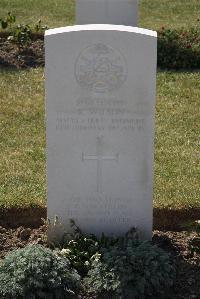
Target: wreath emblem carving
100, 68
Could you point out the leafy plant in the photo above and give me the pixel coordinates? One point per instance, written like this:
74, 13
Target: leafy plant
79, 248
79, 252
37, 272
21, 35
39, 28
7, 21
131, 270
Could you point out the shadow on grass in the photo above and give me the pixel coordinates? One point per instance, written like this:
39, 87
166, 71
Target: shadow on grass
164, 218
174, 219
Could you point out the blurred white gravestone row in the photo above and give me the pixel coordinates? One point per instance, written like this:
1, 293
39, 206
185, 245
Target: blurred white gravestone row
116, 12
100, 105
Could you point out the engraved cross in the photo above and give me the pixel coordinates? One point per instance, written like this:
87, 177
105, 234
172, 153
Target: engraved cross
99, 157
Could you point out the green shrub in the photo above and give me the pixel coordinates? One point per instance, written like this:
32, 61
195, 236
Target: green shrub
8, 21
20, 34
39, 27
135, 270
79, 248
179, 49
37, 272
79, 252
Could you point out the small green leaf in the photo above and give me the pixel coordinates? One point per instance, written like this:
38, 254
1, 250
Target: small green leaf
4, 24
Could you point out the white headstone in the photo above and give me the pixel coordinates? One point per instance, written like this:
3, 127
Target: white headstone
118, 12
100, 102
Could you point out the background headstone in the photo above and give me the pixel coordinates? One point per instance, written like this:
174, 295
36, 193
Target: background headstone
118, 12
100, 102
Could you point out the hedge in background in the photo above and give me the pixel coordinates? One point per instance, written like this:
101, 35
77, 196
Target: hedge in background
179, 49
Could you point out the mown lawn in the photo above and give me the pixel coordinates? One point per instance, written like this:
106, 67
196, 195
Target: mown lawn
153, 13
169, 13
177, 156
22, 142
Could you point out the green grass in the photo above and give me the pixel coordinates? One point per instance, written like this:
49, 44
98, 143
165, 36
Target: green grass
153, 13
169, 13
54, 13
22, 142
177, 168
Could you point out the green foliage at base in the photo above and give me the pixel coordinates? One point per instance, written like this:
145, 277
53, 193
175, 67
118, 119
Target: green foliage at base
80, 251
120, 267
37, 272
81, 248
110, 267
135, 270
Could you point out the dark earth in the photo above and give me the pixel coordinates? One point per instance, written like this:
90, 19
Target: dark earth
184, 246
22, 57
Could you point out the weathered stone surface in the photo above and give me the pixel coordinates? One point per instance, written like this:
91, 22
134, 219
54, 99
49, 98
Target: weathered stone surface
100, 102
117, 12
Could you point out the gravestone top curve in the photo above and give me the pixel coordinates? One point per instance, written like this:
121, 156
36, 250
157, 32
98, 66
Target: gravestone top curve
99, 27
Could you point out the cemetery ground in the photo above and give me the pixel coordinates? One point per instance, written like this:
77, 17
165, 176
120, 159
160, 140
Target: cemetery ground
23, 191
176, 184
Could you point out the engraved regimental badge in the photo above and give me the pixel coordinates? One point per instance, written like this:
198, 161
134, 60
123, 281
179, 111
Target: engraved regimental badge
100, 68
